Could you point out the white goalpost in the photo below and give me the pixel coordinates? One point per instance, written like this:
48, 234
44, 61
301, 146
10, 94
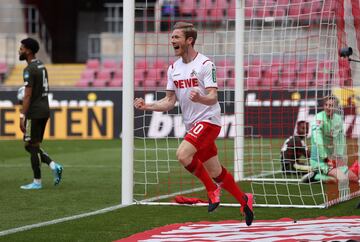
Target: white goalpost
276, 60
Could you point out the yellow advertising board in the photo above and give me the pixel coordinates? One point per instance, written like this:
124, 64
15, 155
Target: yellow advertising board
66, 122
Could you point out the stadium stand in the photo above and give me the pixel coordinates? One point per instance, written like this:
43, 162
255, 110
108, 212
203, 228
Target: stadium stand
59, 74
107, 71
3, 71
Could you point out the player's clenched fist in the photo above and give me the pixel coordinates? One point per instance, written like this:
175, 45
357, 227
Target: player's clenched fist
194, 95
139, 103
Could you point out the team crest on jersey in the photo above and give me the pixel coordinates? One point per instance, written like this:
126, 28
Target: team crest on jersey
193, 73
26, 75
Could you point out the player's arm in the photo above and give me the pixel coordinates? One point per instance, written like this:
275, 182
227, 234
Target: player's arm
165, 104
26, 100
208, 74
317, 132
209, 99
25, 107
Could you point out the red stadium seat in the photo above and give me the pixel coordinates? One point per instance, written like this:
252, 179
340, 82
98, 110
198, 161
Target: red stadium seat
262, 12
272, 74
160, 64
252, 83
151, 75
187, 8
294, 10
141, 64
139, 74
255, 71
109, 64
103, 78
118, 74
83, 83
221, 76
279, 12
230, 82
284, 2
93, 64
139, 77
88, 74
3, 68
116, 82
225, 63
288, 83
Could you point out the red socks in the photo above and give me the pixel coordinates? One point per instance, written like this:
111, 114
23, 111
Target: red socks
197, 168
228, 183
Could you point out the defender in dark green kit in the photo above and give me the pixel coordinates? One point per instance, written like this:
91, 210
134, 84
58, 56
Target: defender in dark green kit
35, 112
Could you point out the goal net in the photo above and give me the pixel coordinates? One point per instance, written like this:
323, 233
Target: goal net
289, 61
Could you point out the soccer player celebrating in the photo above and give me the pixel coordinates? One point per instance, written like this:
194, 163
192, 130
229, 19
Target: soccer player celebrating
328, 146
192, 82
35, 112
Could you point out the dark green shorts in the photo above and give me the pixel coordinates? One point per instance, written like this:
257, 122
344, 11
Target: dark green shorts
34, 130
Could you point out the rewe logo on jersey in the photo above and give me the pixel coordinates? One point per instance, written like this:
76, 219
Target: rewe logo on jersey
191, 82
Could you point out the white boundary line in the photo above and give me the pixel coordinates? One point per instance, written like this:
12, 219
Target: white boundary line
101, 211
60, 220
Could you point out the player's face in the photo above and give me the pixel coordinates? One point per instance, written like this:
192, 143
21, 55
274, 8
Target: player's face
179, 43
302, 129
22, 53
329, 107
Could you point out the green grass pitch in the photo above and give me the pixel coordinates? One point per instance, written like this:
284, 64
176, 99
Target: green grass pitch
92, 178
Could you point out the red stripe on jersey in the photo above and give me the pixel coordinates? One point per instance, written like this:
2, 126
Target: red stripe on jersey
197, 53
205, 62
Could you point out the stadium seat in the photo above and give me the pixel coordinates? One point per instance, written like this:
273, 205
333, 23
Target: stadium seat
118, 74
252, 83
279, 12
217, 14
232, 12
88, 74
288, 83
271, 74
255, 71
139, 77
248, 3
221, 76
225, 63
103, 78
160, 64
261, 12
84, 83
151, 74
3, 67
3, 71
284, 2
150, 83
294, 10
116, 82
187, 8
141, 64
93, 64
109, 64
230, 82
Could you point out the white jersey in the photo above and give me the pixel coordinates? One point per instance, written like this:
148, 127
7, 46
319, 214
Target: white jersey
198, 74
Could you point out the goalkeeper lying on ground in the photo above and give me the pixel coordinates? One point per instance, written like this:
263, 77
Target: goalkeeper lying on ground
328, 146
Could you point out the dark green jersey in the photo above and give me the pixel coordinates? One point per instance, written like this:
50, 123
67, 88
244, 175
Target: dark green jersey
35, 76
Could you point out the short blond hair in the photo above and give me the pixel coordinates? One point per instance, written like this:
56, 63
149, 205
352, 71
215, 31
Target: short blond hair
188, 29
331, 97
